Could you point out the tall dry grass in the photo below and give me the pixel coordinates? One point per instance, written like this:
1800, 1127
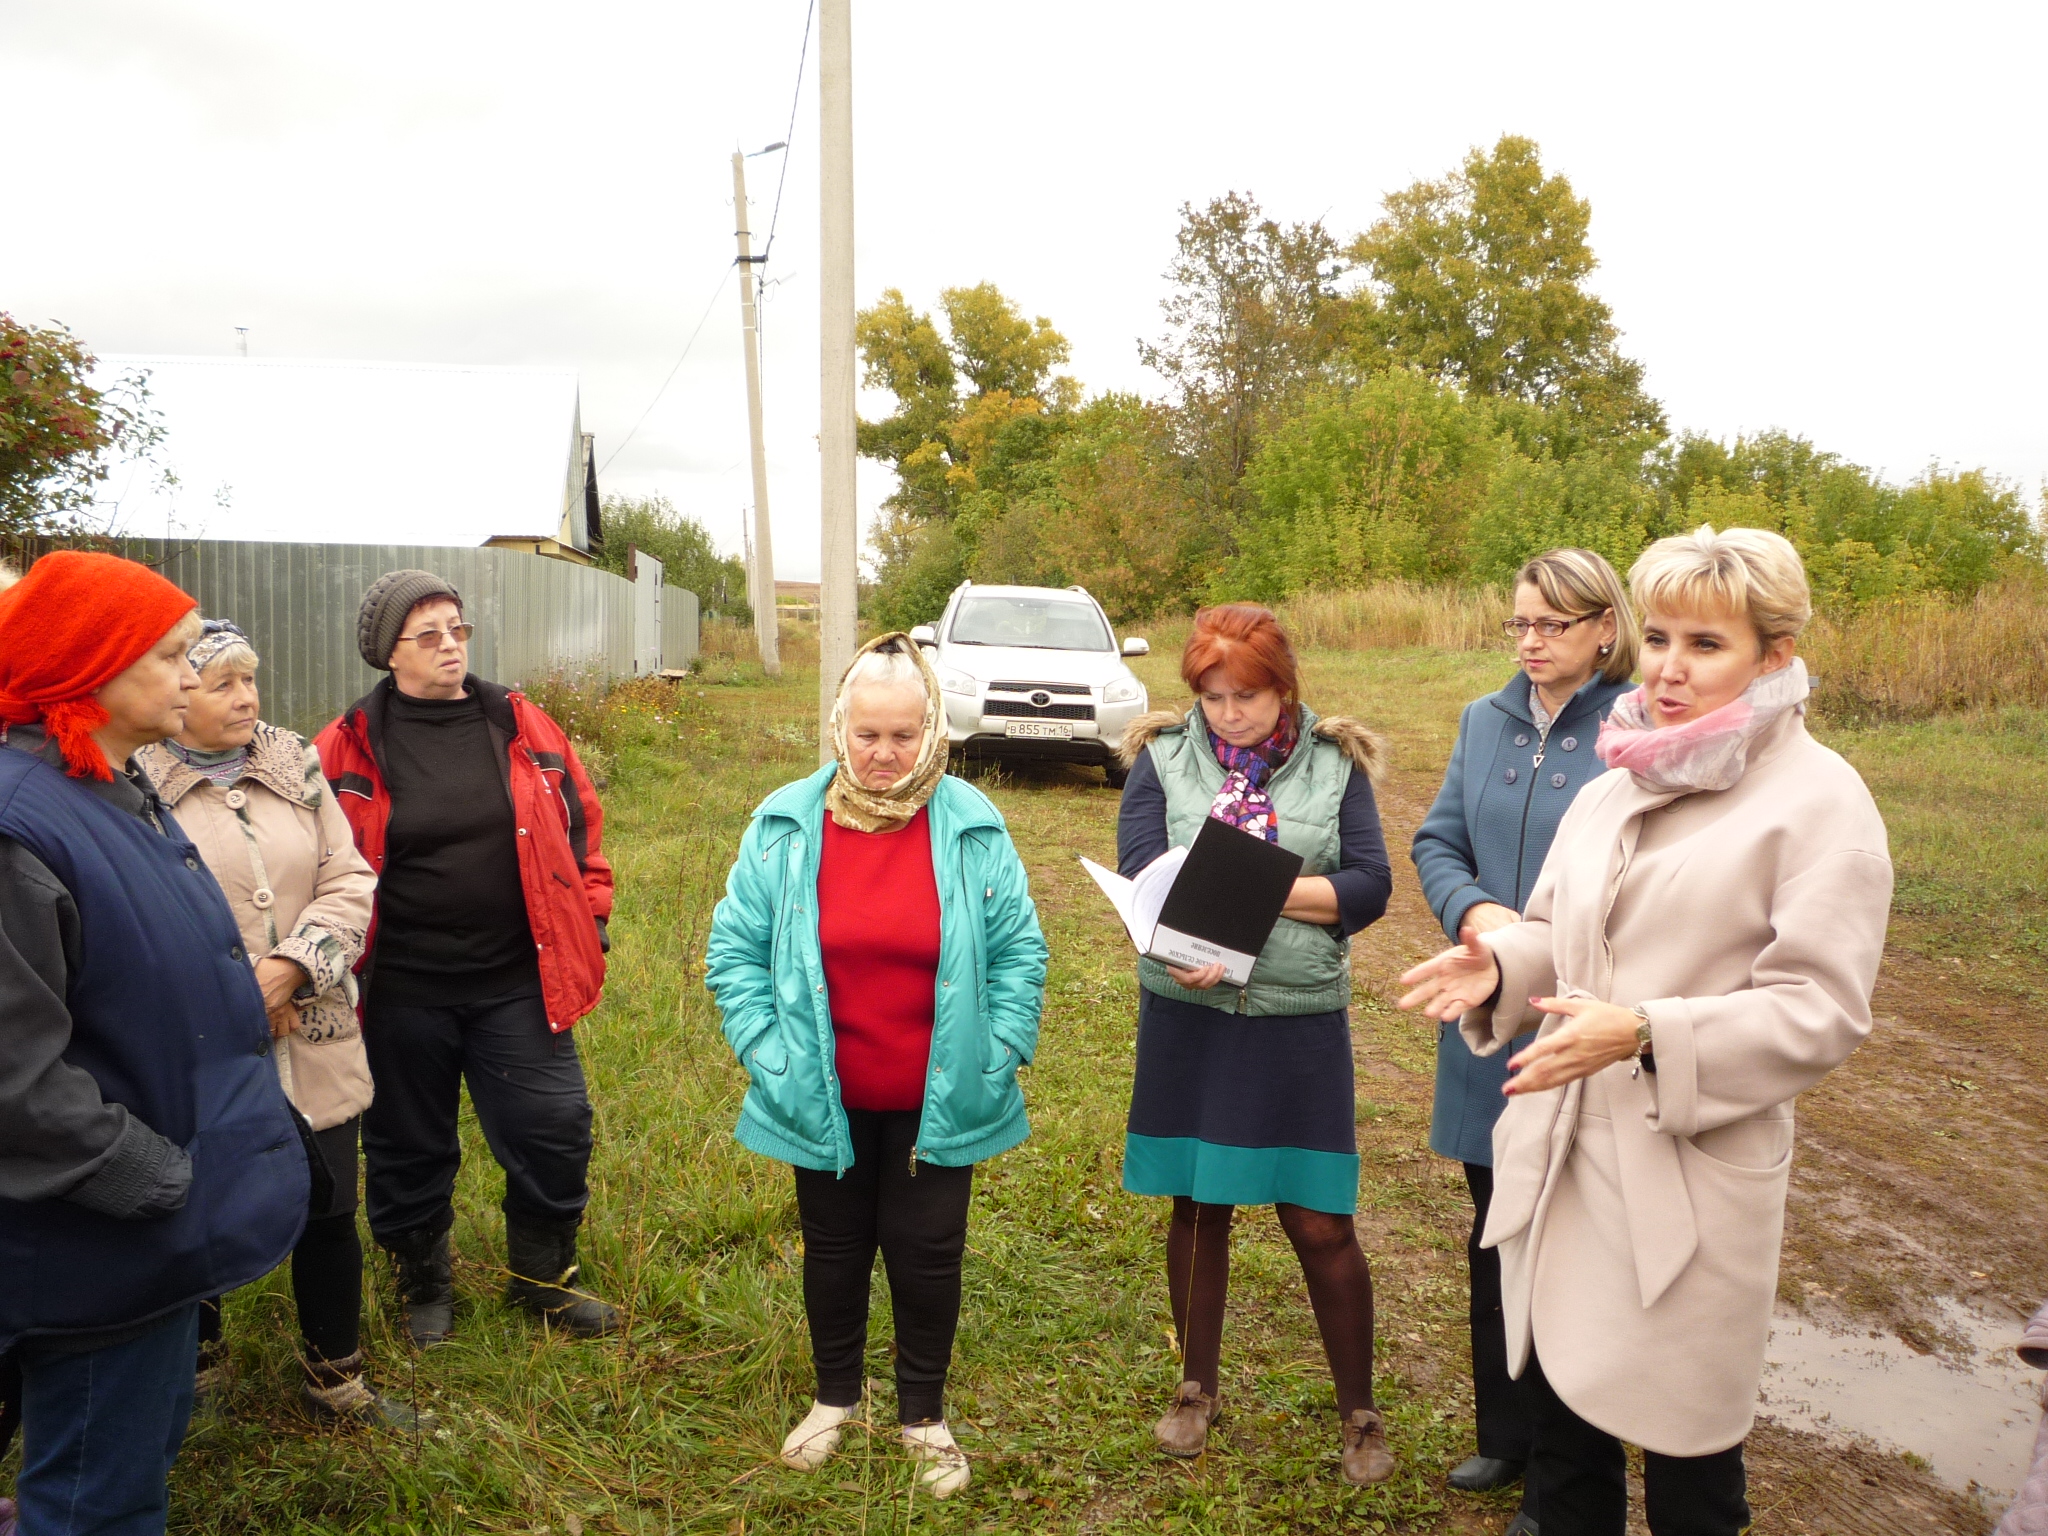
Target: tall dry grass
1926, 656
725, 640
1912, 658
1393, 615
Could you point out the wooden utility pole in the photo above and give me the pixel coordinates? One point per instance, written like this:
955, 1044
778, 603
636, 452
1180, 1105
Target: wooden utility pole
763, 584
838, 519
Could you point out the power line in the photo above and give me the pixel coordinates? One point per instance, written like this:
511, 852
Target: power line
722, 280
795, 96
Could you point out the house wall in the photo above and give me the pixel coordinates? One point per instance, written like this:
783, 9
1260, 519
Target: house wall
534, 617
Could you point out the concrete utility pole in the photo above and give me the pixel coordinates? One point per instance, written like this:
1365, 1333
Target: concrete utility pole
839, 528
762, 588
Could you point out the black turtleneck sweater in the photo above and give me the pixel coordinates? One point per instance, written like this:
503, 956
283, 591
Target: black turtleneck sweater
451, 911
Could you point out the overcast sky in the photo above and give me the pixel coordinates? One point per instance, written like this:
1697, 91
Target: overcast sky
1823, 218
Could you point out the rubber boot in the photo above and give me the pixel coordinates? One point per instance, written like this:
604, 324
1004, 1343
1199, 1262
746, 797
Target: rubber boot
542, 1258
338, 1392
426, 1284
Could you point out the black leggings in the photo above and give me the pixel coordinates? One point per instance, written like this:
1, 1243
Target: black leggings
1581, 1475
327, 1264
916, 1214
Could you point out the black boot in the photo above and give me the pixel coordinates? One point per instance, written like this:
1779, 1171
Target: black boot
426, 1284
542, 1258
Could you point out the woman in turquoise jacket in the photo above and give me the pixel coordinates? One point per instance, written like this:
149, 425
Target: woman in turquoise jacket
879, 965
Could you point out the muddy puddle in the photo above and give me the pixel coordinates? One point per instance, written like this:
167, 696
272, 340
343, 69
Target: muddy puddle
1972, 1419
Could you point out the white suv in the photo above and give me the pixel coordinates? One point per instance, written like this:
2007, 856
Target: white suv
1034, 672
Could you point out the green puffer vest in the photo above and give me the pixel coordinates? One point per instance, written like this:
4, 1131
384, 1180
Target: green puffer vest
1303, 968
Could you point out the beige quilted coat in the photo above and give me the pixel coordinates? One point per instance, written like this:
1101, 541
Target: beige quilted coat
1639, 1216
283, 853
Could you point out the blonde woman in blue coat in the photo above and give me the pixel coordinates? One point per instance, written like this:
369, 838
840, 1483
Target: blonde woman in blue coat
1522, 755
878, 961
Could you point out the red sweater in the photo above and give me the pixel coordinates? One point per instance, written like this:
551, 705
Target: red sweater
878, 923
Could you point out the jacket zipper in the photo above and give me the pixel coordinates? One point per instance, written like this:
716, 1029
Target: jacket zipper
961, 844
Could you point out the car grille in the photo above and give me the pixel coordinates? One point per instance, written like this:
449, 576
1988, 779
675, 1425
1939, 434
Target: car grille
1024, 709
1080, 688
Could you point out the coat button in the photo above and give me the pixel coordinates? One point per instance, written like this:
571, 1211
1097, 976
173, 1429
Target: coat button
1511, 776
235, 952
1522, 739
1557, 781
1570, 743
190, 862
237, 799
262, 899
263, 1046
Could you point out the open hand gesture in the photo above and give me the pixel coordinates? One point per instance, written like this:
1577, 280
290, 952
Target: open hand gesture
1453, 983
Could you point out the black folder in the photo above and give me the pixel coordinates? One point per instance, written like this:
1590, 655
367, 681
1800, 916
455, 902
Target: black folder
1221, 907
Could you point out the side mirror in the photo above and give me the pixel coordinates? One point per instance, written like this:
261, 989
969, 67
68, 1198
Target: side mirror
1133, 646
924, 634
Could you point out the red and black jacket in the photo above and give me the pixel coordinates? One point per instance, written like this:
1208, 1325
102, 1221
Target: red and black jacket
568, 881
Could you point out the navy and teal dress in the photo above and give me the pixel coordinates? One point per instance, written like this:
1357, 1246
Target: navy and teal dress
1239, 1109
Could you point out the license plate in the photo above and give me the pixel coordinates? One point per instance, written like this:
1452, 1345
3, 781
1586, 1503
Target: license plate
1041, 730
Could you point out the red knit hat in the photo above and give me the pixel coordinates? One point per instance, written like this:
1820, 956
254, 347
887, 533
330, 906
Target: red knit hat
72, 625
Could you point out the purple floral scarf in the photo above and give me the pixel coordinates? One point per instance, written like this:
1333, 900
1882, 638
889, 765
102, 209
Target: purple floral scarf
1243, 801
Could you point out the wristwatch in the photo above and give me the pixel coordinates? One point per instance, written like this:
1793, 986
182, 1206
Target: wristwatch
1644, 1052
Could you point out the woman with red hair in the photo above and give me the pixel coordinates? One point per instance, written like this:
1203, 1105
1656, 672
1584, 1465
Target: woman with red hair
1243, 1096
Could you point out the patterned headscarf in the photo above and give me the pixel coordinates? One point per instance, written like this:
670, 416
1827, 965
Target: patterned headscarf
215, 637
1243, 801
852, 803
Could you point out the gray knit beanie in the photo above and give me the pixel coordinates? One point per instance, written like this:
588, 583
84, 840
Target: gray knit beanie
393, 596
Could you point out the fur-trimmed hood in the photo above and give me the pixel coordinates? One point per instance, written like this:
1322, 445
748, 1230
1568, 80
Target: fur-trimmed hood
1358, 741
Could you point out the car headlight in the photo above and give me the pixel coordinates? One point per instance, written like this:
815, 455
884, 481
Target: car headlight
958, 682
1122, 692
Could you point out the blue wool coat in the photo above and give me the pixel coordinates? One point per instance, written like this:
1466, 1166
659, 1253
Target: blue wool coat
1485, 839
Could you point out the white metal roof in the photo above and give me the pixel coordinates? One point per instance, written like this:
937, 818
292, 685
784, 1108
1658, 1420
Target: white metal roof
313, 451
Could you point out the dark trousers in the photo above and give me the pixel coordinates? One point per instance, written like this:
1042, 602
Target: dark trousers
527, 1086
100, 1429
1582, 1474
327, 1264
917, 1215
1504, 1428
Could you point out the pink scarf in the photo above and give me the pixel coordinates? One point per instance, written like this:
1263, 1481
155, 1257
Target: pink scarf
1708, 753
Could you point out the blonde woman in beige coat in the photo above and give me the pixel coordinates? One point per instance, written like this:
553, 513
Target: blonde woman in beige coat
1698, 951
253, 800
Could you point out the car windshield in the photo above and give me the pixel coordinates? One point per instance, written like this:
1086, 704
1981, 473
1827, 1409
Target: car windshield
1041, 623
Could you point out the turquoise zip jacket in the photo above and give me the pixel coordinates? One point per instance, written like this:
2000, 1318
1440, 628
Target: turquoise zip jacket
767, 970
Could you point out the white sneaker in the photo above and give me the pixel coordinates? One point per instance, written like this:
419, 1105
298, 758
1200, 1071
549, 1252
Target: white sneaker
812, 1442
945, 1464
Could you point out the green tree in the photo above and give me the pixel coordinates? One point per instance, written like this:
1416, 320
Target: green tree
1112, 509
60, 435
653, 525
1479, 280
1251, 320
1377, 480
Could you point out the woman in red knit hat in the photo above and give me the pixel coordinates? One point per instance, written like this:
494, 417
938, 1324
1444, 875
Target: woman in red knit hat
150, 1159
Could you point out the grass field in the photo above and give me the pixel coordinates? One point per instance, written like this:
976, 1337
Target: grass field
1066, 1353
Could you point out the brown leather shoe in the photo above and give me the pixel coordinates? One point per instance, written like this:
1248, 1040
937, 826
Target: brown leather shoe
1366, 1457
1185, 1429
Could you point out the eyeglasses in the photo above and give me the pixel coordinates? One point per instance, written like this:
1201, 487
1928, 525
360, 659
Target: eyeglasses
430, 639
1549, 629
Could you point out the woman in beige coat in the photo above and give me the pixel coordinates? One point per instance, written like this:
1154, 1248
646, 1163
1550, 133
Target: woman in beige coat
1699, 950
253, 800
